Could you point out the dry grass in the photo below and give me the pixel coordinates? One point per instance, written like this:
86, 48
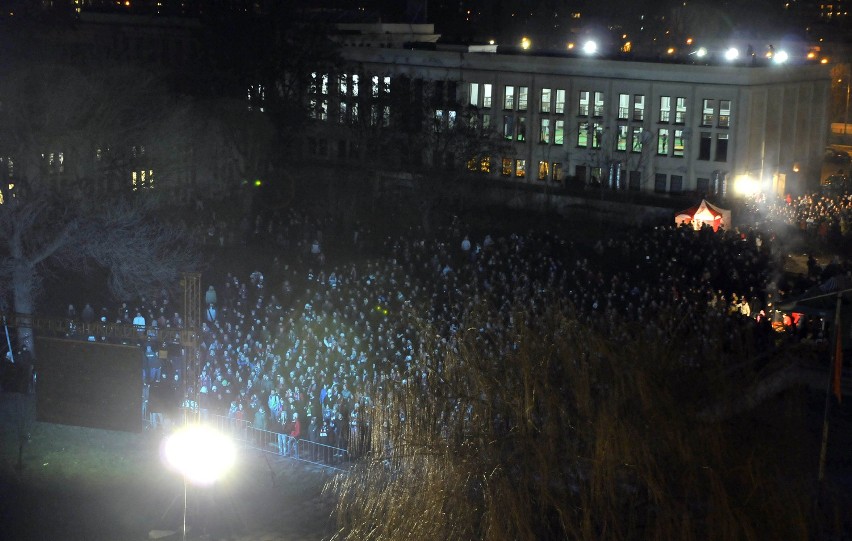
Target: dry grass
558, 432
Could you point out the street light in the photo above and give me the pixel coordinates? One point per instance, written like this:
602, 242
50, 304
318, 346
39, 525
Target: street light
201, 455
732, 54
780, 57
590, 47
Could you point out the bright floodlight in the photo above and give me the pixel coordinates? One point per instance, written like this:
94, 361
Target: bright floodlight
590, 47
732, 54
780, 57
701, 52
202, 455
525, 43
746, 185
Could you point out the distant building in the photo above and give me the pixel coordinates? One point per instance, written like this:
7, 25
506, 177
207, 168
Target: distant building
651, 127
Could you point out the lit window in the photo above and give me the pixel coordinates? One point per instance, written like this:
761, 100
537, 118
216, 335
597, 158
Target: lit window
559, 132
474, 94
663, 142
636, 138
583, 134
623, 106
680, 111
543, 170
557, 172
560, 102
638, 107
520, 168
599, 104
583, 106
724, 113
506, 167
597, 135
665, 108
544, 132
708, 112
621, 138
485, 164
486, 95
523, 98
545, 100
509, 98
355, 80
677, 148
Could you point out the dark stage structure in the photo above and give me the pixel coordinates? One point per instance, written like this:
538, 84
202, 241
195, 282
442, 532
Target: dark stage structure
89, 384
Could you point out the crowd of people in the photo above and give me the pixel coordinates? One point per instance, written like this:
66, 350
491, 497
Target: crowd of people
298, 348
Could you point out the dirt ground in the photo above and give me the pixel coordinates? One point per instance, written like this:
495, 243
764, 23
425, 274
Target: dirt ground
86, 484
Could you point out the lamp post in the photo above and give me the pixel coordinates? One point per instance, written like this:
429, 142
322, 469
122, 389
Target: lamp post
201, 455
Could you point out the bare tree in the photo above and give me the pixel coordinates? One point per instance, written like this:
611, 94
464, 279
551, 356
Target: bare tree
432, 145
559, 431
48, 231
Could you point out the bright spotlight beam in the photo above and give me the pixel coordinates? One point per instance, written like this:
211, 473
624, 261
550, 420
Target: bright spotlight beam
732, 54
590, 47
780, 57
202, 455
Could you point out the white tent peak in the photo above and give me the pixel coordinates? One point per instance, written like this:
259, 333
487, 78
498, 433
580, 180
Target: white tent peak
705, 213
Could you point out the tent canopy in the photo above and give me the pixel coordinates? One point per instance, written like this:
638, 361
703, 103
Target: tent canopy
704, 213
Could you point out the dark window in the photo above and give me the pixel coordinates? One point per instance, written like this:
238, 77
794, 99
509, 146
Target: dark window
704, 146
660, 183
721, 147
677, 184
635, 180
703, 185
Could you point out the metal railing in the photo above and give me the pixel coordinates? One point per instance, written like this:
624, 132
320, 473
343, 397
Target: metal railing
248, 436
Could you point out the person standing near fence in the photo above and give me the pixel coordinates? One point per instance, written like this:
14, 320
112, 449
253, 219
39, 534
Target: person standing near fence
295, 432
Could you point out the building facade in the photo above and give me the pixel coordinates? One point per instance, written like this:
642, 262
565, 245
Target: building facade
664, 128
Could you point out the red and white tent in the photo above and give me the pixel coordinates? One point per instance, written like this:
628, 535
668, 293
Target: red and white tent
704, 213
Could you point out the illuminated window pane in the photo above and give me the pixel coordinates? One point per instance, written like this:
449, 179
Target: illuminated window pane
544, 131
509, 98
474, 94
523, 98
583, 103
623, 106
545, 100
680, 111
638, 107
678, 146
621, 138
560, 102
583, 134
598, 110
559, 132
665, 108
520, 168
724, 113
486, 95
543, 170
663, 142
506, 167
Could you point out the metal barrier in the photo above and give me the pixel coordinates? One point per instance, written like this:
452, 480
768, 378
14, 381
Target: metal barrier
267, 441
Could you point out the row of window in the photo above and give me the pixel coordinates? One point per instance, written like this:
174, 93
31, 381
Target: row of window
670, 142
673, 109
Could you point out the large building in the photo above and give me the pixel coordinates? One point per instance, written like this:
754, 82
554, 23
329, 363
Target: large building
656, 127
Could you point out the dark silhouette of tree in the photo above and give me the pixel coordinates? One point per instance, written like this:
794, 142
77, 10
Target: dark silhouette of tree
84, 152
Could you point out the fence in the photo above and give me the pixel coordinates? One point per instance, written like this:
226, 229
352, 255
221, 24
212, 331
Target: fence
250, 437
